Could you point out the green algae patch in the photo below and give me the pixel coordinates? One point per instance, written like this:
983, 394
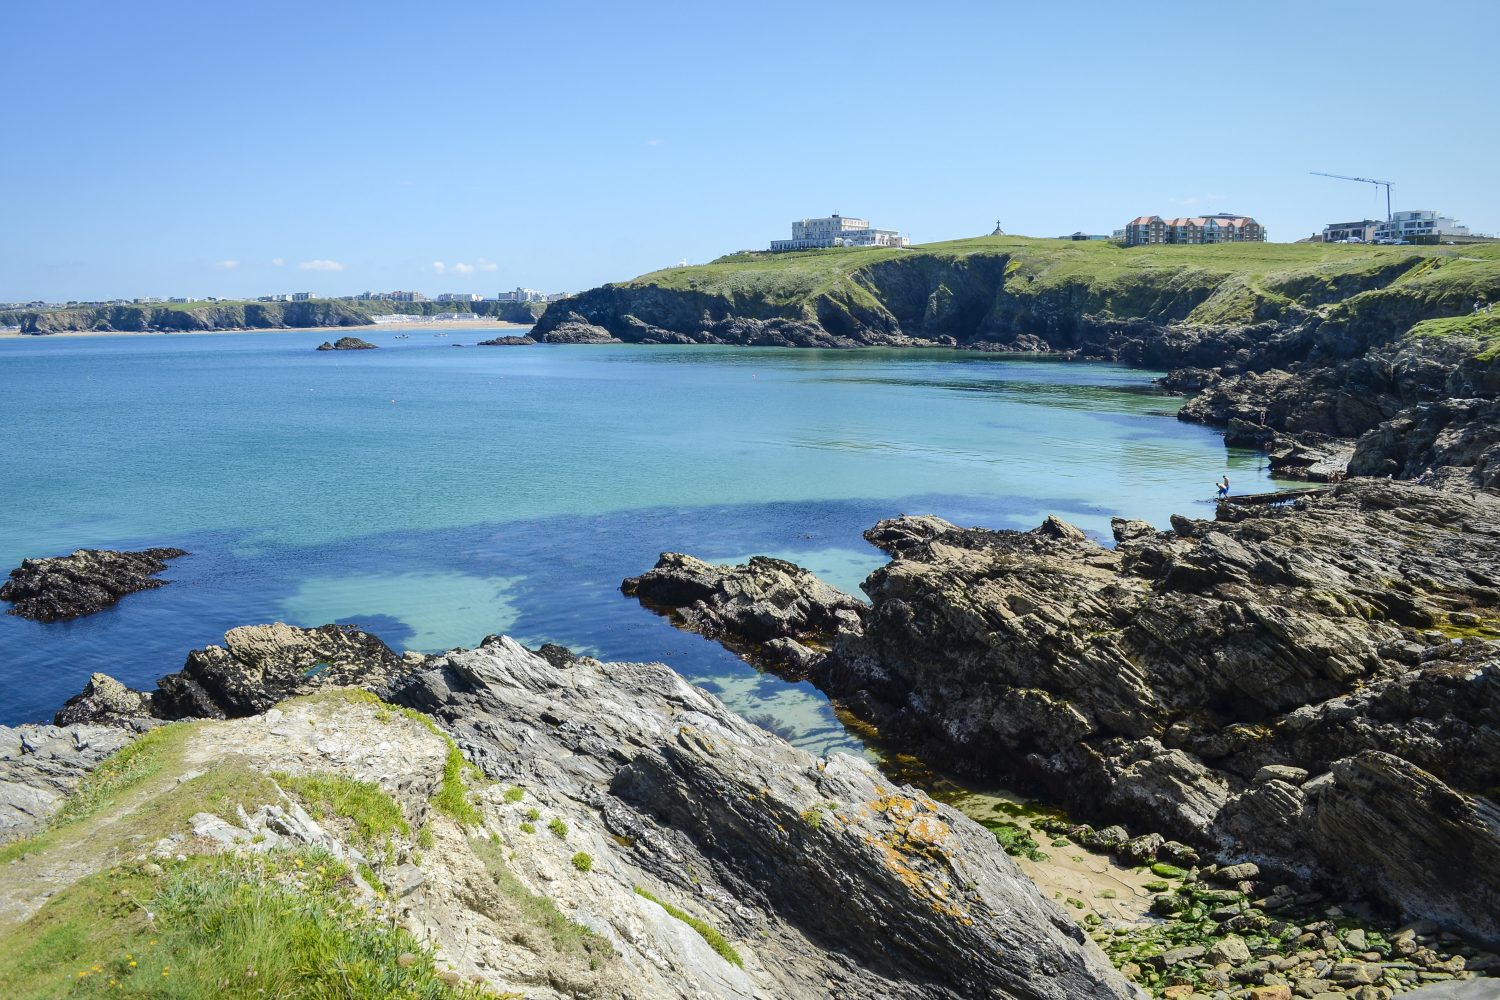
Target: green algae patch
221, 928
715, 940
1016, 840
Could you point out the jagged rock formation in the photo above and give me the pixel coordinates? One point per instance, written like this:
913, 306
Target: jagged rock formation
768, 610
825, 878
347, 344
1349, 636
838, 882
89, 580
41, 765
509, 341
258, 666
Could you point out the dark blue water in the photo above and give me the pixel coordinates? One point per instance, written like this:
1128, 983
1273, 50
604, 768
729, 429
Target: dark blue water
435, 495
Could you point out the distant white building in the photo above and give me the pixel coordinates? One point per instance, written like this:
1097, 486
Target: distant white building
1421, 225
522, 295
838, 231
460, 297
303, 296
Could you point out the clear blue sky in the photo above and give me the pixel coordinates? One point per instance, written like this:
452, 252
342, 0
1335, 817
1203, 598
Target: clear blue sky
148, 145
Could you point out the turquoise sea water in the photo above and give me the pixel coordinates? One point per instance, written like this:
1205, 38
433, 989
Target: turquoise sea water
435, 495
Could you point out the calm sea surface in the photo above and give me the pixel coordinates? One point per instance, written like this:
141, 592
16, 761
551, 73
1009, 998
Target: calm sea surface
436, 495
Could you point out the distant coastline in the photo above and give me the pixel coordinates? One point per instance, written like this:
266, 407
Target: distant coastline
476, 323
215, 316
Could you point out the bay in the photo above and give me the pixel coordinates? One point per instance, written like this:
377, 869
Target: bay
435, 495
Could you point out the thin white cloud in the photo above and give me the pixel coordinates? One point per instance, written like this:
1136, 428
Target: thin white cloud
488, 265
278, 261
656, 142
228, 265
438, 266
463, 268
321, 265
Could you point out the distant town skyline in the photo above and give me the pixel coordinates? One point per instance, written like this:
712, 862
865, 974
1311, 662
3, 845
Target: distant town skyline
476, 147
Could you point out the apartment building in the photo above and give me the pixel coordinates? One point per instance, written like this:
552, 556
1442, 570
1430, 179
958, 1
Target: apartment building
1224, 227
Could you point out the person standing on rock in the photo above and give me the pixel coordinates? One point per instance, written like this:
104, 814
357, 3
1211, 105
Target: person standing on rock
1223, 486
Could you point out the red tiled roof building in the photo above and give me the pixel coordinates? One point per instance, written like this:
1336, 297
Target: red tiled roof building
1221, 228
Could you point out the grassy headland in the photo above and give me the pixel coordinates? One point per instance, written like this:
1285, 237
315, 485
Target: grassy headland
995, 288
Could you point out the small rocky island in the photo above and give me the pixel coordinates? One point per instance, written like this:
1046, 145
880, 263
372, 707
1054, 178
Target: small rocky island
507, 341
89, 580
347, 344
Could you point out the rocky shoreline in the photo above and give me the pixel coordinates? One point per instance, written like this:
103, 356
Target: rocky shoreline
1310, 689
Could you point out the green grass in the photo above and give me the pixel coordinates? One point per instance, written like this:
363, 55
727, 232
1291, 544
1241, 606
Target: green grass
452, 797
564, 935
583, 862
1482, 330
108, 784
558, 827
221, 928
1225, 283
715, 940
514, 794
374, 814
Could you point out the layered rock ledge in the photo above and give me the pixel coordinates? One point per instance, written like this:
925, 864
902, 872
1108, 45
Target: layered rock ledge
89, 580
823, 877
1314, 687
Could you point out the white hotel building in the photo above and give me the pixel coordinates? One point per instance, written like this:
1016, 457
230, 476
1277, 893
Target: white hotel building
838, 231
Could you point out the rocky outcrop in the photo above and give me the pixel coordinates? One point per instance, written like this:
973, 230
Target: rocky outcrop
89, 580
826, 877
509, 341
1462, 433
347, 344
41, 765
769, 610
574, 329
659, 806
1154, 683
257, 667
